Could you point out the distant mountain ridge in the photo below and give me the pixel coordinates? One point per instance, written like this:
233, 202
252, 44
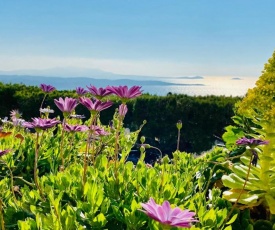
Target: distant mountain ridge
70, 83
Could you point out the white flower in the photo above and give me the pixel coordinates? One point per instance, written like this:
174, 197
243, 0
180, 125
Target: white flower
46, 110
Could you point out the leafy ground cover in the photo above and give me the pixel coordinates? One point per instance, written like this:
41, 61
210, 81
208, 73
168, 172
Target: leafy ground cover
63, 173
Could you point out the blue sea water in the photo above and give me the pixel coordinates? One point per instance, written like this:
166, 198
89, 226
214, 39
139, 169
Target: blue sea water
218, 86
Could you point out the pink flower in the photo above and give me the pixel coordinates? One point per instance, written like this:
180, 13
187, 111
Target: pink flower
67, 105
75, 128
40, 123
99, 93
122, 110
98, 131
95, 105
47, 88
80, 91
15, 114
124, 93
253, 142
168, 216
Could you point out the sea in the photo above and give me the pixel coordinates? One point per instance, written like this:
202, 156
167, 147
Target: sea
218, 86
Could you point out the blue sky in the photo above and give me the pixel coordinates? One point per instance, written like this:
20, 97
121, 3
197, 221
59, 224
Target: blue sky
146, 37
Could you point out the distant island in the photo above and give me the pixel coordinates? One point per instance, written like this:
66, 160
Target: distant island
236, 78
192, 78
63, 83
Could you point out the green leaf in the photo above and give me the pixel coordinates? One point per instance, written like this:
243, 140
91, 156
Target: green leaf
232, 220
228, 228
271, 203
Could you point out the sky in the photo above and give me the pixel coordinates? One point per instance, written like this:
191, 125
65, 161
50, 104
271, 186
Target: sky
140, 37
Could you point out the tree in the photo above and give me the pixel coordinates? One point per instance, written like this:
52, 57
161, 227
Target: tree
261, 99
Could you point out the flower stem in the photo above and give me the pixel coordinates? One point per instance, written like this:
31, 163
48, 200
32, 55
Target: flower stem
116, 148
178, 142
85, 164
42, 103
36, 164
61, 146
1, 215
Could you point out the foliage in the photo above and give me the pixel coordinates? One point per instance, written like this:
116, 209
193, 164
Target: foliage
203, 118
260, 99
252, 186
107, 191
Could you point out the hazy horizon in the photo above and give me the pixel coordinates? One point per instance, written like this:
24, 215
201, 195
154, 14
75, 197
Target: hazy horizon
146, 38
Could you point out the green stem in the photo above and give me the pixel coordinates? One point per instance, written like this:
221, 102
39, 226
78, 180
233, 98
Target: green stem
85, 161
153, 147
178, 142
116, 148
1, 215
61, 146
42, 103
36, 164
209, 181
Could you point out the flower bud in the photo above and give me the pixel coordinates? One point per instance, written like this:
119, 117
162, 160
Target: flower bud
142, 149
179, 124
142, 139
122, 110
165, 160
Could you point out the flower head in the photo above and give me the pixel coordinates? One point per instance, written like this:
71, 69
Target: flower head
3, 152
251, 142
75, 128
5, 120
168, 216
98, 93
18, 122
122, 110
47, 88
81, 91
15, 114
67, 105
124, 93
95, 105
40, 123
98, 130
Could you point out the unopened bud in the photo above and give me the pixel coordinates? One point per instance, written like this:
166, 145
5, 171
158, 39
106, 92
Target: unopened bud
179, 124
142, 149
165, 160
142, 139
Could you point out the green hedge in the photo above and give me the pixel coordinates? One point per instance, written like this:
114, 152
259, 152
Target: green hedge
203, 117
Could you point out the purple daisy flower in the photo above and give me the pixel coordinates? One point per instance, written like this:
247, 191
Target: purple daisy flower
75, 128
47, 88
166, 215
40, 123
98, 93
253, 142
122, 110
98, 131
81, 91
95, 105
67, 105
124, 93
